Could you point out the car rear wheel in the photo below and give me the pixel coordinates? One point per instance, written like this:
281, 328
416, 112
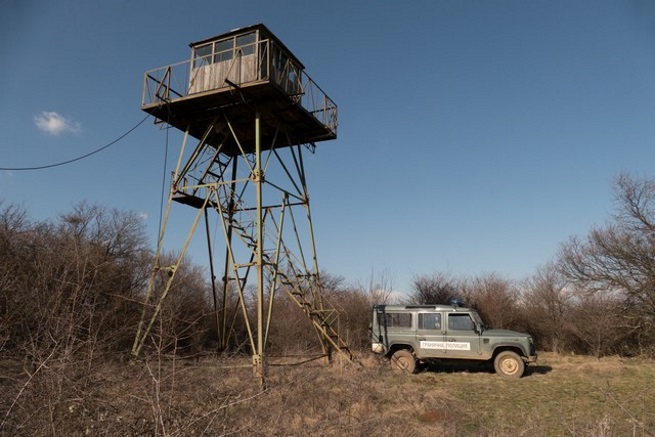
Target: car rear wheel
403, 361
510, 364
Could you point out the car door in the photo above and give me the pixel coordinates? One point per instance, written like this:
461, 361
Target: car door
430, 335
461, 339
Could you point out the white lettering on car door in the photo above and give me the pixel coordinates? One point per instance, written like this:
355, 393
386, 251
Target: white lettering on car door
451, 345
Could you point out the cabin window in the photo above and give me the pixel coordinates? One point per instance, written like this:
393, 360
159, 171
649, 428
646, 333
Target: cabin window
202, 55
234, 59
246, 43
224, 50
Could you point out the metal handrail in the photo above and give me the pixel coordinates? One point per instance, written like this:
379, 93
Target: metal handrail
172, 82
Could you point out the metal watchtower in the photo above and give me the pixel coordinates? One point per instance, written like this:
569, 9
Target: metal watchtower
245, 102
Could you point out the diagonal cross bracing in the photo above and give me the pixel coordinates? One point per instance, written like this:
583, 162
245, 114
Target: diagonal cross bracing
253, 198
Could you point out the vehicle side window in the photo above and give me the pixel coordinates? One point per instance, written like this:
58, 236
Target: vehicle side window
429, 321
460, 322
395, 320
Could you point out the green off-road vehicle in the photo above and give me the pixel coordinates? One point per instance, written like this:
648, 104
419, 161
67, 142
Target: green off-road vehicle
410, 335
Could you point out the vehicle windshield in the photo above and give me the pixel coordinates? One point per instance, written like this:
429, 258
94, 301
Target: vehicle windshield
476, 318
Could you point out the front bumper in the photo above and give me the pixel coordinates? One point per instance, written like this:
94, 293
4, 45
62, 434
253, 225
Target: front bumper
378, 348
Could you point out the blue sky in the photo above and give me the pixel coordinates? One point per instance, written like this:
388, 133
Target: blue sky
474, 136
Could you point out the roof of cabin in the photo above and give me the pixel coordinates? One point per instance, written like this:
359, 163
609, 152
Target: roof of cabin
241, 30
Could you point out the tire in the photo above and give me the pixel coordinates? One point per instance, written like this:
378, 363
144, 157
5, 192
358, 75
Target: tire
403, 361
509, 364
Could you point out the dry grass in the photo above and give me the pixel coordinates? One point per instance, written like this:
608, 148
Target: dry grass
577, 396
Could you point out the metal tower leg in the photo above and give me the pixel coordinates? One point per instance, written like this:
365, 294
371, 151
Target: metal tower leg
258, 178
255, 240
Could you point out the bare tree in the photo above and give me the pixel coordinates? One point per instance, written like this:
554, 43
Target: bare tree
620, 257
380, 288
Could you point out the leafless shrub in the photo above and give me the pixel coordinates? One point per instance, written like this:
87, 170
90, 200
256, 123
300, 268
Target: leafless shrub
186, 318
495, 298
73, 283
291, 330
546, 307
596, 322
438, 288
13, 223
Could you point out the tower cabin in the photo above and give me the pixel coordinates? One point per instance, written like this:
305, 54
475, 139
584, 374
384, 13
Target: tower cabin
233, 78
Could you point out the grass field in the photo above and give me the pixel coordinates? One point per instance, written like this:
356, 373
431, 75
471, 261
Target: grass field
560, 396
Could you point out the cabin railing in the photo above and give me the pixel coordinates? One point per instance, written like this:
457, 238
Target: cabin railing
259, 62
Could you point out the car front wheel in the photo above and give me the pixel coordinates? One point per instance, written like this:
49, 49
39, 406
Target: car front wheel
510, 364
403, 361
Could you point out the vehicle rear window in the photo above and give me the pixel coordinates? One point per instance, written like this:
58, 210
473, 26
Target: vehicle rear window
395, 320
429, 321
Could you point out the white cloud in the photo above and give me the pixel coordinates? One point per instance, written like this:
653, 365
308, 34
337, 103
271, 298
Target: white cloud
55, 124
143, 216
